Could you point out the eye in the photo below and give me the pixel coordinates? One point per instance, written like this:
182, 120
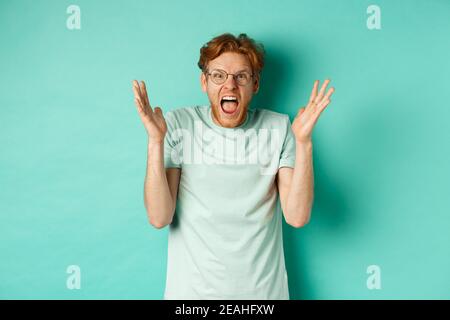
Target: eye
242, 76
217, 75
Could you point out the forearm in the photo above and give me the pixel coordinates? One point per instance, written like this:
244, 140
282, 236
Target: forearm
301, 192
157, 197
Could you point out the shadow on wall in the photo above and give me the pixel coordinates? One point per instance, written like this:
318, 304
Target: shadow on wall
329, 203
330, 213
273, 78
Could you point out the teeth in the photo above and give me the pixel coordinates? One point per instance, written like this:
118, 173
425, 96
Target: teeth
229, 98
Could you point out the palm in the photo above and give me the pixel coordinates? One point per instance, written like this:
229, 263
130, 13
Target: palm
153, 120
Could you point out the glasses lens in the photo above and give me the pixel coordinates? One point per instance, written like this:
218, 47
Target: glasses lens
218, 76
242, 78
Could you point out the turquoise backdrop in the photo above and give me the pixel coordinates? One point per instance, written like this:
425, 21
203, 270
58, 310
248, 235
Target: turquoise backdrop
73, 149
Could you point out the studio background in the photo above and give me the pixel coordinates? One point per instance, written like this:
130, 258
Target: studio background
73, 149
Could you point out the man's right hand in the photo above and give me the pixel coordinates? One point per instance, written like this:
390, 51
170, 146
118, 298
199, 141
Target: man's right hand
153, 120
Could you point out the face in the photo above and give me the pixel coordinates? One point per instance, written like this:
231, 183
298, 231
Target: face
229, 114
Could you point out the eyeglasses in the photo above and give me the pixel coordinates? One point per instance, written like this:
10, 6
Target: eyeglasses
220, 76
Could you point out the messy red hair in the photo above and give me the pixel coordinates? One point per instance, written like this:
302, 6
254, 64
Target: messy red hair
229, 43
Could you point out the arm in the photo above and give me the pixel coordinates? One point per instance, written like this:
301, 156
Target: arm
160, 186
296, 187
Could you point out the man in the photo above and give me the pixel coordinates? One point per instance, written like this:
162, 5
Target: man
214, 174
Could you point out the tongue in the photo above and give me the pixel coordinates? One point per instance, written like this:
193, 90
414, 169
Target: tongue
229, 106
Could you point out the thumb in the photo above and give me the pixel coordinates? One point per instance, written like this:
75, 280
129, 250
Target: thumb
300, 111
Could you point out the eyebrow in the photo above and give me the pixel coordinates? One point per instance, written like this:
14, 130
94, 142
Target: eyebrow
246, 69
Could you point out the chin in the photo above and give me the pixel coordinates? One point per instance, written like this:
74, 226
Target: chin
230, 120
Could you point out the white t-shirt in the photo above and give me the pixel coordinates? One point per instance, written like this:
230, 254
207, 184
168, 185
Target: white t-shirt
225, 241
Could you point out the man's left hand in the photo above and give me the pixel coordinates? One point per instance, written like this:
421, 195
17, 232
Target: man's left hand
307, 116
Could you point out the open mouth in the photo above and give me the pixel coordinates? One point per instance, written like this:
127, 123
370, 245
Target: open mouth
229, 104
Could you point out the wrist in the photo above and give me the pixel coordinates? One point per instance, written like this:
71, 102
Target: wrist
155, 146
155, 142
304, 143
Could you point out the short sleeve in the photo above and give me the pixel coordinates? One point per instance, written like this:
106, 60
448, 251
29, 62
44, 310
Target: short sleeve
172, 143
287, 156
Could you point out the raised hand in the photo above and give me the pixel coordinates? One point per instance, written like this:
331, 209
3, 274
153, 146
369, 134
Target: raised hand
307, 116
153, 120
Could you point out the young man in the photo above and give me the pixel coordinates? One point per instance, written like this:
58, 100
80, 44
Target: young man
215, 173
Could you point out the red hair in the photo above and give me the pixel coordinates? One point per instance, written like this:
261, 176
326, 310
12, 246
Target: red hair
229, 43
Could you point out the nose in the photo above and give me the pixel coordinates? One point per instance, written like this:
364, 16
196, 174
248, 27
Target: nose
230, 83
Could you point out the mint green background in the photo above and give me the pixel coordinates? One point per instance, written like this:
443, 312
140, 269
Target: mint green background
73, 150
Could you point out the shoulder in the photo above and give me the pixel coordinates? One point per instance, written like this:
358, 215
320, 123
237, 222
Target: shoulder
184, 112
184, 115
270, 117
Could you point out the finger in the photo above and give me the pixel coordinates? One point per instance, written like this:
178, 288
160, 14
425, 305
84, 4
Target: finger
300, 111
329, 93
142, 110
158, 110
325, 101
322, 91
308, 113
313, 92
314, 117
321, 106
138, 95
144, 93
139, 106
159, 116
141, 103
136, 89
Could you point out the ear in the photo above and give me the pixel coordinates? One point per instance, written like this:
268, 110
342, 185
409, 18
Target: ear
203, 81
256, 85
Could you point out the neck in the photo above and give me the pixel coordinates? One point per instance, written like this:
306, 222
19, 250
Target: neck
216, 121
